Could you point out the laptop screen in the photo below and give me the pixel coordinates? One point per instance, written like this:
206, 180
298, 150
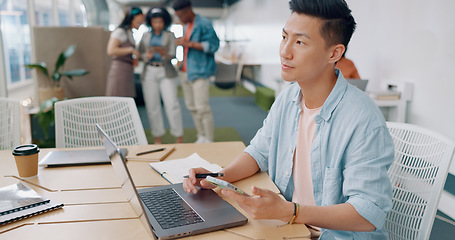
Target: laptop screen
359, 83
119, 164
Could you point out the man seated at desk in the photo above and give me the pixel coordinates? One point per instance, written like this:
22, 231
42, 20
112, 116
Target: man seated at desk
324, 143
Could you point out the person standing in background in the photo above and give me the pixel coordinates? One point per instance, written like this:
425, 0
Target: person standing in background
200, 43
121, 47
157, 49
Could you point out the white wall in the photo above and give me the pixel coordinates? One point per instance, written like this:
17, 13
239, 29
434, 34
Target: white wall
400, 40
259, 22
395, 40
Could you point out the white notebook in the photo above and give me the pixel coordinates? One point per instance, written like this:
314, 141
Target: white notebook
19, 201
174, 170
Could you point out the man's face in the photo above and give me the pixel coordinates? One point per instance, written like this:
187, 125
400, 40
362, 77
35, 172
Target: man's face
184, 15
303, 52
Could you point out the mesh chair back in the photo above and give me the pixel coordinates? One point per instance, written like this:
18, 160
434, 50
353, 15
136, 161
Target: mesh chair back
418, 174
75, 122
227, 75
10, 133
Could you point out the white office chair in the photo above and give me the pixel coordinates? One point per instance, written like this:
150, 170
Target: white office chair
75, 122
10, 132
418, 174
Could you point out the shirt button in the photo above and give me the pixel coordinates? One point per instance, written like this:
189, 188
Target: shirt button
290, 150
287, 173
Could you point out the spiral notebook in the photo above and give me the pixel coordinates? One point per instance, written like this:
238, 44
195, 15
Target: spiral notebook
19, 201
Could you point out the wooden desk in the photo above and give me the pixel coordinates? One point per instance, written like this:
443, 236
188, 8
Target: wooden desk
96, 208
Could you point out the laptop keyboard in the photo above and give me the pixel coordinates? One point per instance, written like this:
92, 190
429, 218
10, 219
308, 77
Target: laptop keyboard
169, 209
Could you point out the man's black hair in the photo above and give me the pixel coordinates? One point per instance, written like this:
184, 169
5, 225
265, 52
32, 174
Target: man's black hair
158, 12
338, 24
130, 14
181, 4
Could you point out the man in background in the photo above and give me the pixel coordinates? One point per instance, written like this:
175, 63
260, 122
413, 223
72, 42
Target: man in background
200, 43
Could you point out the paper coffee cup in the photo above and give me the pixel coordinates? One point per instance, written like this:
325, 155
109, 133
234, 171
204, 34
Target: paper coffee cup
26, 157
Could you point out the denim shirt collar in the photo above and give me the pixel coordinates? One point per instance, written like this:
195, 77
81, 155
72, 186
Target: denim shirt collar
332, 100
297, 98
196, 20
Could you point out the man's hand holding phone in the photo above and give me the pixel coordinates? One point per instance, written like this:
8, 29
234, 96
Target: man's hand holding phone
225, 185
191, 182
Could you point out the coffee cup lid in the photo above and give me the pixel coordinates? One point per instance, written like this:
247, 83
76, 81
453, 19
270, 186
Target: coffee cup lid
25, 150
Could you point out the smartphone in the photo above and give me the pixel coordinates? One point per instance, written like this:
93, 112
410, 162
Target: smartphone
224, 185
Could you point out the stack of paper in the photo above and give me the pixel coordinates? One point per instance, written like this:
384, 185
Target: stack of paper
385, 95
174, 170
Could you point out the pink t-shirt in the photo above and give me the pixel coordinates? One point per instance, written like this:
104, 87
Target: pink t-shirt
303, 183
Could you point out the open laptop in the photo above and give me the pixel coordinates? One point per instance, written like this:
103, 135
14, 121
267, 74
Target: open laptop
359, 83
203, 212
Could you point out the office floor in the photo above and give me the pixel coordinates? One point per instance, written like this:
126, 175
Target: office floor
246, 117
238, 112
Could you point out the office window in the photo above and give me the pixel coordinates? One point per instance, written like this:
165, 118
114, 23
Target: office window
63, 7
15, 30
43, 13
80, 13
16, 40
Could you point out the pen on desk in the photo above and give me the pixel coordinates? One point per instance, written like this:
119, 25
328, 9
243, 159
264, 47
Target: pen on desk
204, 175
151, 151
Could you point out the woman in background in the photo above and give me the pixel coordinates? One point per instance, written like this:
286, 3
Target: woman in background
159, 78
347, 68
121, 47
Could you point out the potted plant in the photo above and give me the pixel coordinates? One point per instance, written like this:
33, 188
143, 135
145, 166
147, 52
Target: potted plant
45, 119
51, 93
52, 87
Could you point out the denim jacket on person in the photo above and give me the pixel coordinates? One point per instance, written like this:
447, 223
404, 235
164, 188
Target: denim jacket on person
201, 64
351, 153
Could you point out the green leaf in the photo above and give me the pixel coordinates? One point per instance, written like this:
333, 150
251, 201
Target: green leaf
63, 56
48, 105
46, 115
70, 51
56, 76
45, 120
40, 66
75, 73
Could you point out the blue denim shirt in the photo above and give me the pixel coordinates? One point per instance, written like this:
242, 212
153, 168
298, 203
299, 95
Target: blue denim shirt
351, 153
201, 64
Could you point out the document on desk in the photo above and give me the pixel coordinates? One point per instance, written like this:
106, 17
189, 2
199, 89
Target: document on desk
174, 170
19, 201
